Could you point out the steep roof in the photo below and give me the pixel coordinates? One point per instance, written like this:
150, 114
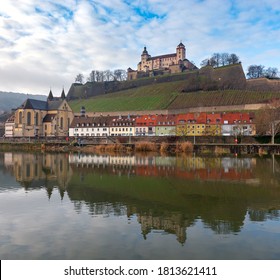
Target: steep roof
34, 104
54, 104
49, 118
41, 105
162, 56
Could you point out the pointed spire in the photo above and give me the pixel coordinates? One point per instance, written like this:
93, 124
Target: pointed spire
50, 97
63, 94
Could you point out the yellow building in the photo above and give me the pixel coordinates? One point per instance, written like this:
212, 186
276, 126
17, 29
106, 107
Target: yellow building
161, 64
51, 118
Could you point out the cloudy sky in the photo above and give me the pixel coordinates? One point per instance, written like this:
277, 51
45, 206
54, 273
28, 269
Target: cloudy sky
45, 43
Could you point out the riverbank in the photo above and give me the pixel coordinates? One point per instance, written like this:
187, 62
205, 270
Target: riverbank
141, 146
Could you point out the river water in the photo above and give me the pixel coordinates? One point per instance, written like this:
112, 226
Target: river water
77, 206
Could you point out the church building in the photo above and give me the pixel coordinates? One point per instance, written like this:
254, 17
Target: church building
36, 118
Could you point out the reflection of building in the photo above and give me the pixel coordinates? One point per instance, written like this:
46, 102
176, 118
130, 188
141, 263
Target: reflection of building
46, 168
36, 118
174, 224
191, 168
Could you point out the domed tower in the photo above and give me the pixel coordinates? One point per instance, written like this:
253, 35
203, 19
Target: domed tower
144, 58
181, 52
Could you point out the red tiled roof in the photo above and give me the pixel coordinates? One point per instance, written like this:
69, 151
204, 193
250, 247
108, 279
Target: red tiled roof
146, 120
233, 118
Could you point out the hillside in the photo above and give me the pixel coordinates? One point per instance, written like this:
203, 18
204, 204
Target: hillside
152, 97
206, 78
11, 100
169, 96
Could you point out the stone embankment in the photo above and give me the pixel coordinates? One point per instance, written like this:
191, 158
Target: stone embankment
199, 145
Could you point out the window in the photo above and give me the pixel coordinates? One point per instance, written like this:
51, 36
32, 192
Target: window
37, 119
20, 117
29, 118
61, 123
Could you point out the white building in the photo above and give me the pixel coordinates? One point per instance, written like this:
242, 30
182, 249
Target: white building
84, 126
9, 127
122, 126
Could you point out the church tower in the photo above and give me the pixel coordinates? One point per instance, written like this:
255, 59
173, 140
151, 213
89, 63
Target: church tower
50, 96
180, 52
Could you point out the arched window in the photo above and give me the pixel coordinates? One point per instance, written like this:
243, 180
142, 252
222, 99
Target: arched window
29, 118
37, 119
20, 117
61, 123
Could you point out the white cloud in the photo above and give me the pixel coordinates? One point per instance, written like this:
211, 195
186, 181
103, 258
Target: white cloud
48, 43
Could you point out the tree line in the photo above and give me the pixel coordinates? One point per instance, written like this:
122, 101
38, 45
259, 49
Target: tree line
254, 71
259, 71
220, 59
103, 76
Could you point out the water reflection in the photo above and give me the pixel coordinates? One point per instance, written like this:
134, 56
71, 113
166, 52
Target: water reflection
165, 194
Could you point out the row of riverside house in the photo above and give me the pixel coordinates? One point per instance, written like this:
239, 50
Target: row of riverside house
189, 124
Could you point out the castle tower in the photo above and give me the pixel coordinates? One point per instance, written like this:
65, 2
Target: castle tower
180, 52
144, 55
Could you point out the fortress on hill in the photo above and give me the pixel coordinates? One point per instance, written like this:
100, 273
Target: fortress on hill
160, 69
163, 64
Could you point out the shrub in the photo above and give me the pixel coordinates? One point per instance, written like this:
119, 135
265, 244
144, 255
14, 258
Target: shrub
184, 147
145, 146
164, 147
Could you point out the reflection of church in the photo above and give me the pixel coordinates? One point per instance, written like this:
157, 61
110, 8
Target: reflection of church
39, 170
165, 194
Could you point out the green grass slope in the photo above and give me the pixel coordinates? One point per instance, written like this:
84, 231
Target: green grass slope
169, 95
152, 97
220, 98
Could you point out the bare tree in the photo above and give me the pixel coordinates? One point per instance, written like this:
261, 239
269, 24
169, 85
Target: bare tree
255, 71
91, 77
268, 119
220, 59
108, 75
271, 72
79, 78
233, 59
216, 57
224, 58
120, 75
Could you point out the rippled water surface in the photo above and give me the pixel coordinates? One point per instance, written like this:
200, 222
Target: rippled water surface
74, 206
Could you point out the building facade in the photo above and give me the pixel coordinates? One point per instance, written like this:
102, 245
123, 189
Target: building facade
51, 118
161, 64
